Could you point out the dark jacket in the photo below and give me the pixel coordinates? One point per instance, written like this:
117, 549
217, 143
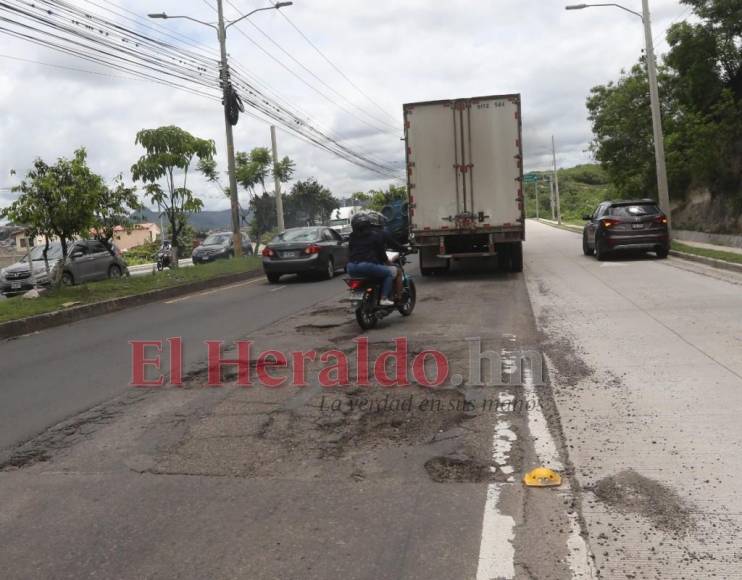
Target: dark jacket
371, 245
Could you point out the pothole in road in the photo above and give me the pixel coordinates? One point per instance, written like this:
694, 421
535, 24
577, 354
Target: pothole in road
316, 328
454, 470
628, 491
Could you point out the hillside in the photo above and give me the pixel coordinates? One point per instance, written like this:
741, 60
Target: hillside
581, 189
202, 221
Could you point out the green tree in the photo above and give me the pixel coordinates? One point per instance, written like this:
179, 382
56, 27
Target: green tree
701, 90
169, 154
380, 197
263, 216
113, 207
252, 170
308, 203
57, 201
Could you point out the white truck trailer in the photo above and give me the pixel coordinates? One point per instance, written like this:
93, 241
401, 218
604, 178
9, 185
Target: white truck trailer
465, 180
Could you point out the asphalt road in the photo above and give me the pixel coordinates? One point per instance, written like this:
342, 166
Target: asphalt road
52, 375
637, 408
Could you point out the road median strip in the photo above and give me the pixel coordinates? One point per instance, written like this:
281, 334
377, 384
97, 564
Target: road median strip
95, 299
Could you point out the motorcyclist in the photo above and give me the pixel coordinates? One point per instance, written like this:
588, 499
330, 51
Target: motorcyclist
368, 244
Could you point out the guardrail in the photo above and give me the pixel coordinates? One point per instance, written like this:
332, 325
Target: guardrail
143, 269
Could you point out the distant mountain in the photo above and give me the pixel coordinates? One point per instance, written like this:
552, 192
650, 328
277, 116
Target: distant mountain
202, 221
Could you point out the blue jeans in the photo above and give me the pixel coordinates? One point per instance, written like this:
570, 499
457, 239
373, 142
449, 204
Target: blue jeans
371, 270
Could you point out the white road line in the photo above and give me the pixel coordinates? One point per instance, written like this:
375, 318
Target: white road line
279, 288
496, 550
207, 292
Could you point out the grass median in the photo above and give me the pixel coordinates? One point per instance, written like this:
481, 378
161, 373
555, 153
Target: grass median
708, 253
18, 307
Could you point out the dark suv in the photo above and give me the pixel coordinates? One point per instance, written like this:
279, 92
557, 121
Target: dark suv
626, 225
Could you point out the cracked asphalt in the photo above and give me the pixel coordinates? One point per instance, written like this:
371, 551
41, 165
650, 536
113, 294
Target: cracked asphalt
635, 407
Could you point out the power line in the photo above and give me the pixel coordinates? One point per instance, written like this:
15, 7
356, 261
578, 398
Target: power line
300, 78
314, 75
67, 29
332, 64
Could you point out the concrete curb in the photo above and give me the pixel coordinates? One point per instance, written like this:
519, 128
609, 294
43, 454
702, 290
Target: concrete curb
713, 262
14, 328
568, 227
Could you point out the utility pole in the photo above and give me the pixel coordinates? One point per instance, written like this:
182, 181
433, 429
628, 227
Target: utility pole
551, 199
226, 97
276, 180
654, 97
556, 183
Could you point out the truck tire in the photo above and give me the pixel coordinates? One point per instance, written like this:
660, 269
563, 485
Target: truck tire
516, 257
423, 270
504, 255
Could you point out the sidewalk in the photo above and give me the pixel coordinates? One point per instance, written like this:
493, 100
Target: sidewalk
713, 247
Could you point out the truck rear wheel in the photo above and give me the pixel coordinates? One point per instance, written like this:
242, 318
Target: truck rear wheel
516, 257
503, 258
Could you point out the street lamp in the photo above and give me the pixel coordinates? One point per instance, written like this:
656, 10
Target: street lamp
654, 97
221, 31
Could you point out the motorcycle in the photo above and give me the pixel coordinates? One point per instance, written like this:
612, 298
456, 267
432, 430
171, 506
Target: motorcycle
164, 258
365, 294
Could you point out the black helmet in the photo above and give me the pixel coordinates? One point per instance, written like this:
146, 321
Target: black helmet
367, 219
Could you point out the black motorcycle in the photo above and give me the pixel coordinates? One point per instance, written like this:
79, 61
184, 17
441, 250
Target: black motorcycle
365, 294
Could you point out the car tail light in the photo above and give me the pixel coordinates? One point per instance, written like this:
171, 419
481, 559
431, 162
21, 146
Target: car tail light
608, 223
354, 283
661, 219
312, 249
268, 253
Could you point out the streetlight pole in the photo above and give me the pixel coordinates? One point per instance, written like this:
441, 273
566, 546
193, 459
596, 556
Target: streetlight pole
654, 98
221, 30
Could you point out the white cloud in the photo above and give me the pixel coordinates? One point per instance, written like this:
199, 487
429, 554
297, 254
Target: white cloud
396, 51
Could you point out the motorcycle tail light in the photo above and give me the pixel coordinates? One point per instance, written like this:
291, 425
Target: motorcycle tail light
354, 284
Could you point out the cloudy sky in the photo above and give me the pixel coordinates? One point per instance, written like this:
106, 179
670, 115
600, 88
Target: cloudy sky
396, 52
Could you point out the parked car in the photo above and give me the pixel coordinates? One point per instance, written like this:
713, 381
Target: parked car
218, 246
626, 225
87, 261
302, 251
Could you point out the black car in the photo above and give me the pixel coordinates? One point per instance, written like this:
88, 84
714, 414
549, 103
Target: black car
218, 246
626, 225
303, 251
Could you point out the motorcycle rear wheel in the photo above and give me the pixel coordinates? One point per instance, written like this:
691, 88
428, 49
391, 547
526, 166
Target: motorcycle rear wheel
366, 314
411, 295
